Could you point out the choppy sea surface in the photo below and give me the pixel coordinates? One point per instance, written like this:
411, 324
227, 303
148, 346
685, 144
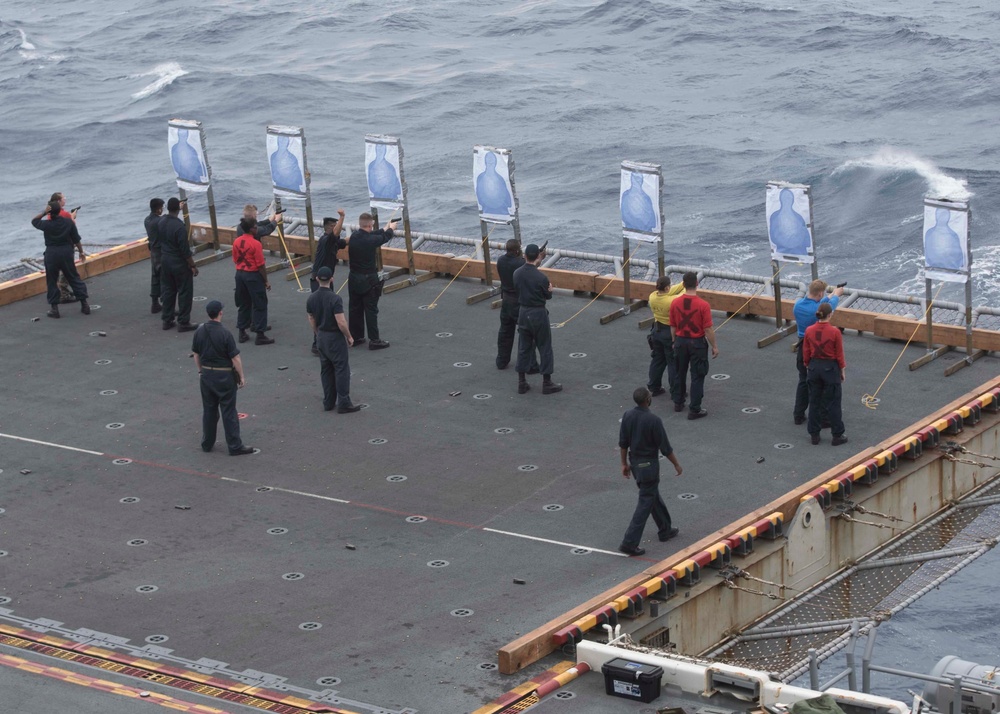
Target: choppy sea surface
875, 103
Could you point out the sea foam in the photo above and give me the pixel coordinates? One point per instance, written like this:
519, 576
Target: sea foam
939, 184
165, 75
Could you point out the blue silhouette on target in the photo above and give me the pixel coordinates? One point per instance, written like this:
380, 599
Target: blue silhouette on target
787, 229
491, 189
187, 164
637, 207
285, 170
942, 245
383, 181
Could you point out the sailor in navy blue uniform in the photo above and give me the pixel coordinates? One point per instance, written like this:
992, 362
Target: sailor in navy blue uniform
534, 331
363, 284
326, 317
153, 243
61, 237
221, 368
509, 306
177, 271
642, 439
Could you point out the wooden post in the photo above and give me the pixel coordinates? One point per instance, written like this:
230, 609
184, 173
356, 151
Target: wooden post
212, 218
484, 246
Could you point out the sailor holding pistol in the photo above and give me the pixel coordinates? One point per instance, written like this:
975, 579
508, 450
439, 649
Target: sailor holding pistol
177, 270
534, 330
364, 287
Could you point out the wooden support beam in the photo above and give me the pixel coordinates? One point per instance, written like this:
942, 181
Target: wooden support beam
646, 323
901, 328
409, 282
777, 335
623, 311
496, 304
484, 295
222, 254
962, 364
929, 357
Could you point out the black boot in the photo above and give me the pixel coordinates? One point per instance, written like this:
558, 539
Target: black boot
85, 307
548, 386
263, 339
53, 311
522, 383
244, 337
156, 306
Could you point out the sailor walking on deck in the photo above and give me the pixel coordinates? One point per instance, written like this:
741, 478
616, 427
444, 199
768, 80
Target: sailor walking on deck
805, 316
177, 271
252, 284
509, 306
221, 368
364, 287
823, 355
691, 326
533, 327
155, 258
641, 440
326, 317
661, 341
61, 237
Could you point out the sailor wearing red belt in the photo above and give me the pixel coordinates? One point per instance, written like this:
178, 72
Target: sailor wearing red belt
823, 355
691, 326
251, 283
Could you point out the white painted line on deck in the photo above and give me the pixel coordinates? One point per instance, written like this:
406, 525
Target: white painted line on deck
309, 495
49, 443
555, 542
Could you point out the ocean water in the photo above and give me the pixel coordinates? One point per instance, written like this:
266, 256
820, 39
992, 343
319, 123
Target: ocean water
875, 103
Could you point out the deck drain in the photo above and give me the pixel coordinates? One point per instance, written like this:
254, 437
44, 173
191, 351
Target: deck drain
3, 553
577, 355
527, 467
277, 531
310, 625
157, 639
397, 478
378, 441
462, 612
137, 542
487, 666
782, 446
580, 551
552, 507
114, 425
102, 362
563, 695
95, 307
292, 576
415, 519
438, 564
720, 377
463, 364
873, 400
425, 307
481, 396
4, 600
129, 499
263, 489
121, 462
504, 430
601, 387
750, 410
96, 333
328, 681
147, 589
687, 496
242, 415
364, 406
556, 325
108, 392
2, 511
444, 334
199, 298
255, 451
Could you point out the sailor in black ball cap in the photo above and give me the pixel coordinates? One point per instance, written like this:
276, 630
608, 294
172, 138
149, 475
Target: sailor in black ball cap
326, 317
534, 331
221, 368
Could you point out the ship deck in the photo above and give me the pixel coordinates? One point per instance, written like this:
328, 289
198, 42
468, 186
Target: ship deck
520, 501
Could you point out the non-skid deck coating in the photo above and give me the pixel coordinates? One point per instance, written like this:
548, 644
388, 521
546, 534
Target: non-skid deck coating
233, 595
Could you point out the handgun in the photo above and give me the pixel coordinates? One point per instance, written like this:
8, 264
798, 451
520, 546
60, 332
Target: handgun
544, 246
279, 211
840, 285
74, 210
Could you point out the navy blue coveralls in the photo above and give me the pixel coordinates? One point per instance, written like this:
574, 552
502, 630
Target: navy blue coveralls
509, 310
335, 373
326, 255
642, 433
533, 327
61, 238
363, 285
153, 241
176, 278
215, 346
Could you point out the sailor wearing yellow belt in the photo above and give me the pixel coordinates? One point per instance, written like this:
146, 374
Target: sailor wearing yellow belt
661, 343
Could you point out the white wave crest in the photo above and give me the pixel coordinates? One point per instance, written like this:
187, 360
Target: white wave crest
165, 75
25, 45
939, 185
